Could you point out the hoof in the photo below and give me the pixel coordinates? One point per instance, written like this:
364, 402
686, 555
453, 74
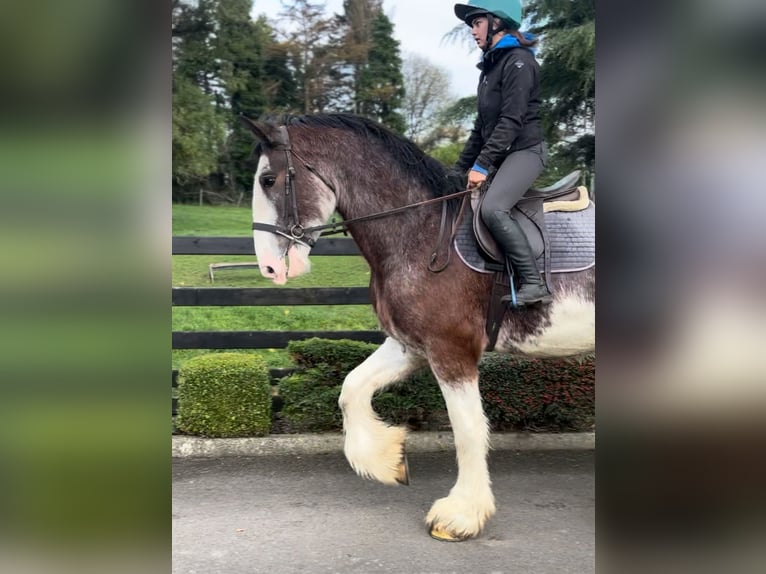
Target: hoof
444, 535
403, 474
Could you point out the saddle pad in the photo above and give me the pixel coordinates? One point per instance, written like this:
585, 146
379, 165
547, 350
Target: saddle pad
572, 237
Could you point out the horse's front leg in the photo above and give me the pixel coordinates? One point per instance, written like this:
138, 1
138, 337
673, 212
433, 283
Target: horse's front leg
374, 449
464, 512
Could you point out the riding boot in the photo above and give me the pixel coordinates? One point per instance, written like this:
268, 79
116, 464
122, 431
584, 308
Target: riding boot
511, 239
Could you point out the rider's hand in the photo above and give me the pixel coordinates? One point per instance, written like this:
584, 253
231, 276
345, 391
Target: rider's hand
475, 178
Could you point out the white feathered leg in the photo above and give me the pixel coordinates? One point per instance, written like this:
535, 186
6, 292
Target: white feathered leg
470, 503
374, 449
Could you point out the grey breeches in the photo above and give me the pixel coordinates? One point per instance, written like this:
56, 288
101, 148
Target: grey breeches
516, 175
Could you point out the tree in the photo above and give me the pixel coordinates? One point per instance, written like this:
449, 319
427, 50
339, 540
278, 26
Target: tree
426, 91
193, 27
253, 75
357, 20
198, 133
311, 51
198, 128
224, 64
452, 125
568, 78
381, 84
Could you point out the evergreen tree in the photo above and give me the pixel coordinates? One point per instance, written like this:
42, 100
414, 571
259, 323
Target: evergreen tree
192, 36
224, 64
381, 83
254, 76
198, 128
568, 78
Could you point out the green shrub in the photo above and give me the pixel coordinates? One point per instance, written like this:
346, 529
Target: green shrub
310, 401
536, 394
224, 395
311, 395
340, 356
417, 402
518, 394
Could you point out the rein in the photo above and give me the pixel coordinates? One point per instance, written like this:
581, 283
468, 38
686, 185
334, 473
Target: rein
296, 233
342, 226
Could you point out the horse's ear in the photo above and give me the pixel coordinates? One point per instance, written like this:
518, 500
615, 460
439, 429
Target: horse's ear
266, 133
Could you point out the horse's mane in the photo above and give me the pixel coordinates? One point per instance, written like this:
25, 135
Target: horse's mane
409, 156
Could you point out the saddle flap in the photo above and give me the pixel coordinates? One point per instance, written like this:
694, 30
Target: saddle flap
570, 244
525, 213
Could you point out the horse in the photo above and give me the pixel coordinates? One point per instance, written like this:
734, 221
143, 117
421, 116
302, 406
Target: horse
311, 166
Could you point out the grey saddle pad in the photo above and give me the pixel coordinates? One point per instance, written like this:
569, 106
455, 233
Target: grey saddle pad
572, 236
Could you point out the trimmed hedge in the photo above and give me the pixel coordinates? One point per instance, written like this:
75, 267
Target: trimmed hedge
224, 395
310, 401
340, 356
538, 394
416, 402
311, 395
551, 394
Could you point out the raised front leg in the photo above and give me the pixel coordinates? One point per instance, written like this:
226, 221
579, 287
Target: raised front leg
464, 512
375, 449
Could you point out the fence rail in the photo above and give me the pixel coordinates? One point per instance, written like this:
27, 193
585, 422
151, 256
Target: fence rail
190, 245
263, 296
232, 296
262, 339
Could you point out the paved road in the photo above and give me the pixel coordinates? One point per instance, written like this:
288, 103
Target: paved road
312, 514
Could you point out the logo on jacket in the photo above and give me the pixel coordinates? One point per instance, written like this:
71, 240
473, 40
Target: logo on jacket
519, 64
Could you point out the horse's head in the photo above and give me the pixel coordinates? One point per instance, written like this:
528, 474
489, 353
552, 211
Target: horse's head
288, 198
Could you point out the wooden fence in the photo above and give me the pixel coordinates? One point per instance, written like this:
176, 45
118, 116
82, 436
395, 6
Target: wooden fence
263, 296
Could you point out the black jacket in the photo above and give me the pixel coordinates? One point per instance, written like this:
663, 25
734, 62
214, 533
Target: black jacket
508, 116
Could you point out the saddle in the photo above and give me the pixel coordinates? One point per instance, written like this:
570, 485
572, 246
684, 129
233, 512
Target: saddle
564, 195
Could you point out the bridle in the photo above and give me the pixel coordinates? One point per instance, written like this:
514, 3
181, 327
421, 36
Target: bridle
295, 232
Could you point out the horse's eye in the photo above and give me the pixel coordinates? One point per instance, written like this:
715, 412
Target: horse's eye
268, 181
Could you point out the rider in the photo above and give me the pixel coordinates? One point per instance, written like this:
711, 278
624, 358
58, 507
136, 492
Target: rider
507, 134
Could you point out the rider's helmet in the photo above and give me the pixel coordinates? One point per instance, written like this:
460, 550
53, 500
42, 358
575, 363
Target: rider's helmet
508, 11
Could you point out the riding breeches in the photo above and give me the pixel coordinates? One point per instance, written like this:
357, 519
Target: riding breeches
516, 175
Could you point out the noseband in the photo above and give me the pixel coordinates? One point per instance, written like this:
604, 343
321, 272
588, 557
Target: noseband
297, 233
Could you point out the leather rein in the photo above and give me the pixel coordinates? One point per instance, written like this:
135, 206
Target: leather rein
297, 233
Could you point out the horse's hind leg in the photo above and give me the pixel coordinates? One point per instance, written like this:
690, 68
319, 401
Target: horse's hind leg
463, 513
374, 449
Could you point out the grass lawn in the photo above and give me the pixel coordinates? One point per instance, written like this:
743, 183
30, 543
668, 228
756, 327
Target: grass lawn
219, 221
192, 271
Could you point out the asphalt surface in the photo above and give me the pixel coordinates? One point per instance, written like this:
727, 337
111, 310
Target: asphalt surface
312, 514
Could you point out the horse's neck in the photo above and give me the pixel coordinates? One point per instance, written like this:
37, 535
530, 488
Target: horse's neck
367, 183
388, 235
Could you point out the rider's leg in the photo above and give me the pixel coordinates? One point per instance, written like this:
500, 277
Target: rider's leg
515, 176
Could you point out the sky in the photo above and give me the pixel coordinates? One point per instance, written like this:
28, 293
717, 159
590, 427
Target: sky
420, 26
